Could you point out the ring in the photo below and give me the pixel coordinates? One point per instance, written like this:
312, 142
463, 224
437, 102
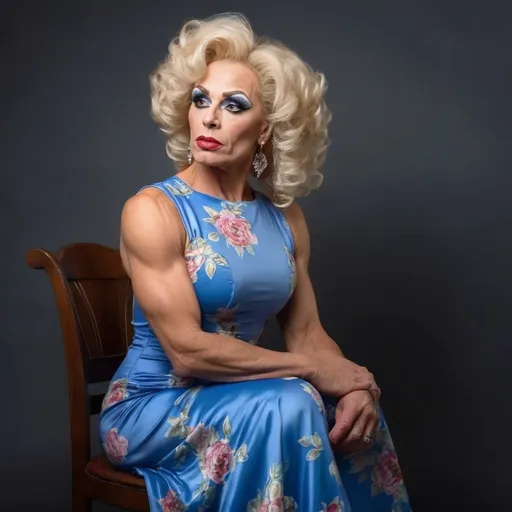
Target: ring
369, 438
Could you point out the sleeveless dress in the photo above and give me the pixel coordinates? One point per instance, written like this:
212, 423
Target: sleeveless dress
255, 446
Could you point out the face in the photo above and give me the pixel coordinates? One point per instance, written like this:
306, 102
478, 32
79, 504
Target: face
226, 117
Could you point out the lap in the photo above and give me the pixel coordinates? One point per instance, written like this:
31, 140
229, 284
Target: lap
147, 428
243, 428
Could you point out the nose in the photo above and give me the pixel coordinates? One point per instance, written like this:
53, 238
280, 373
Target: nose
211, 118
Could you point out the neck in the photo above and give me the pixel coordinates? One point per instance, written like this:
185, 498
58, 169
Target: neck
226, 184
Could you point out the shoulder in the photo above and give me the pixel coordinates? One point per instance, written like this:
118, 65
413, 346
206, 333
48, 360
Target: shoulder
150, 223
294, 213
298, 225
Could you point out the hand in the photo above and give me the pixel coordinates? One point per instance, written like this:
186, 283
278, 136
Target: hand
337, 376
356, 417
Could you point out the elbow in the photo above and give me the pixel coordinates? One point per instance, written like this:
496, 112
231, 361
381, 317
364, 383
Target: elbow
182, 368
185, 356
185, 363
182, 364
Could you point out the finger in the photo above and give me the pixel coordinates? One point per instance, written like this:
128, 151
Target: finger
375, 391
358, 429
345, 417
354, 438
372, 426
370, 432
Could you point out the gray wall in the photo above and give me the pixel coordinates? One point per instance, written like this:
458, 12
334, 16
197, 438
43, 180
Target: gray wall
412, 246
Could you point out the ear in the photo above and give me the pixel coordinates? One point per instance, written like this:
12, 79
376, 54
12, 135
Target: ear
265, 133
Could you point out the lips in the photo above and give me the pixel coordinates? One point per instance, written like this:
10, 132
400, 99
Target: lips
208, 143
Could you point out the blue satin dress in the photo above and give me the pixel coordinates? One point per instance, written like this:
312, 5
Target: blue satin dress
255, 446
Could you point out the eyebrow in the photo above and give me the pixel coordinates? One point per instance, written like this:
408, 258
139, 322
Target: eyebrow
224, 94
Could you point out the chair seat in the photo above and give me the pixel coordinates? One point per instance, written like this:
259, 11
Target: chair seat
101, 468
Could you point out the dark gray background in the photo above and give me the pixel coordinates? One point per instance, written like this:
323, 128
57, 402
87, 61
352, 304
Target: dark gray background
411, 238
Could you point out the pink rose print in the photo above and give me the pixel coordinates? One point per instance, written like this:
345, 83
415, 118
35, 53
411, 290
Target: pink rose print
276, 505
236, 229
335, 506
279, 504
171, 503
272, 498
116, 393
115, 446
217, 461
387, 473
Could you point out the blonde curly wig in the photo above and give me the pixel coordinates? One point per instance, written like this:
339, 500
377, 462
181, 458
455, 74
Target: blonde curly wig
291, 92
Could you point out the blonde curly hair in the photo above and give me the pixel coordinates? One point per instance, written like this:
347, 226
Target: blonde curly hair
291, 92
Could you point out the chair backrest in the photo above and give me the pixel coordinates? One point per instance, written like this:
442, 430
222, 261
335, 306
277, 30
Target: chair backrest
94, 301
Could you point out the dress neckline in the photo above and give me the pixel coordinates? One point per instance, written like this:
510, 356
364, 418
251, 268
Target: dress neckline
220, 199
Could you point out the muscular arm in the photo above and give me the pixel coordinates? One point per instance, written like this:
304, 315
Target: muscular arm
152, 248
299, 320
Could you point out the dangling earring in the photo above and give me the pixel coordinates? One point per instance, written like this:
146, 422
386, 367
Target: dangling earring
260, 162
189, 156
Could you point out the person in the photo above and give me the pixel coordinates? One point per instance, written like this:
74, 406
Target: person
212, 421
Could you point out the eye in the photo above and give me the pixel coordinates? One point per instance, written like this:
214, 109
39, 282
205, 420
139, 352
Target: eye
199, 99
236, 103
200, 102
233, 107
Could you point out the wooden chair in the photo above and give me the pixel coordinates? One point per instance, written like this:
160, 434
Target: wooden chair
94, 300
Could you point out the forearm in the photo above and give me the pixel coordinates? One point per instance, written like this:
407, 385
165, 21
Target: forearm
222, 358
312, 340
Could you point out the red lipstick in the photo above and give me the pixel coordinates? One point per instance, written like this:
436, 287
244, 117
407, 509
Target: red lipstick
208, 143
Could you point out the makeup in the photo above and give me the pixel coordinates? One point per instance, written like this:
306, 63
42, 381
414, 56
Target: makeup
200, 99
208, 143
234, 101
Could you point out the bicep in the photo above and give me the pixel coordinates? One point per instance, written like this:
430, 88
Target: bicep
153, 257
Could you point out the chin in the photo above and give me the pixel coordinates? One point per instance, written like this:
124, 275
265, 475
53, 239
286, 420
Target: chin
212, 159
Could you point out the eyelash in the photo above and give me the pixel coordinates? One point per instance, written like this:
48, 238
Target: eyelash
234, 104
237, 106
197, 100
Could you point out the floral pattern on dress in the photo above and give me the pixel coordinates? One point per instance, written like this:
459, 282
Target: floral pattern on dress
215, 456
171, 503
336, 505
293, 269
230, 224
175, 381
115, 446
116, 392
315, 441
334, 472
308, 388
199, 253
178, 427
381, 466
224, 320
178, 189
272, 499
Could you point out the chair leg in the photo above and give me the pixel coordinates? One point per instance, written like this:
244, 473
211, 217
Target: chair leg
80, 503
